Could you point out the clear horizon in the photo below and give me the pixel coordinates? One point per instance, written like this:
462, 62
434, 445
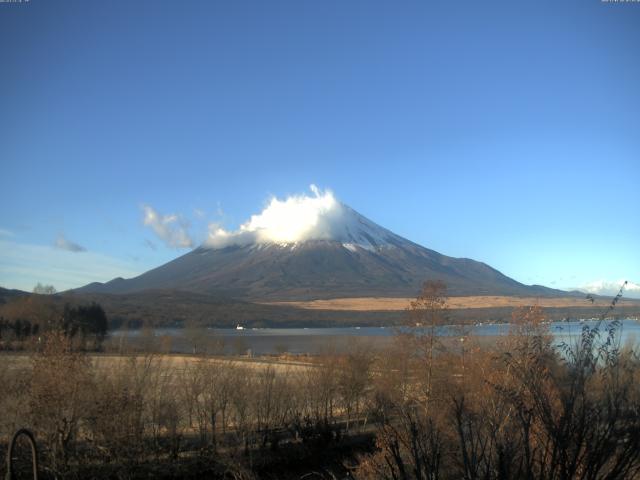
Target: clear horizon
509, 134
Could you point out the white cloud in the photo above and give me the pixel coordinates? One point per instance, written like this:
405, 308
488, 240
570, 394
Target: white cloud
64, 244
296, 218
6, 233
611, 288
171, 229
24, 265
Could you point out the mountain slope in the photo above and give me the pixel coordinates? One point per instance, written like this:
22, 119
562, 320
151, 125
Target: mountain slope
349, 256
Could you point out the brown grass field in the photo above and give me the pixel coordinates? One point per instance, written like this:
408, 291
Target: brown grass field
397, 304
176, 362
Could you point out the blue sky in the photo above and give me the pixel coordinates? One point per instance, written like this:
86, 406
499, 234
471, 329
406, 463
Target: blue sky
507, 132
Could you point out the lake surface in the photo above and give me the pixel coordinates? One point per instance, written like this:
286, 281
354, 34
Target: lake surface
263, 341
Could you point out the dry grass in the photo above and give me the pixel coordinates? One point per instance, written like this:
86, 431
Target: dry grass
22, 361
396, 304
180, 362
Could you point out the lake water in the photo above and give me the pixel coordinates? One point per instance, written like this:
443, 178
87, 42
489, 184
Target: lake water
316, 340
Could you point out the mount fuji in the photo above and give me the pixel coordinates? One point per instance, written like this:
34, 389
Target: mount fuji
315, 247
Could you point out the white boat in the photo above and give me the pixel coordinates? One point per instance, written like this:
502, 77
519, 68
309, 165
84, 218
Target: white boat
239, 327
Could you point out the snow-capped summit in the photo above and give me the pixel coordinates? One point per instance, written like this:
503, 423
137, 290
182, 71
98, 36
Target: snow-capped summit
302, 218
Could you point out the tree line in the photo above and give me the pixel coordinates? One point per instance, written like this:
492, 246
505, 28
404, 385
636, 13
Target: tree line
79, 323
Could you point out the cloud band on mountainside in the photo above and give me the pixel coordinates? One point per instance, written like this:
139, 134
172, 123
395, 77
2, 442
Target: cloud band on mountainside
608, 288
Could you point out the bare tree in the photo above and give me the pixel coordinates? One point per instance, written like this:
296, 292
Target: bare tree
44, 289
427, 312
354, 378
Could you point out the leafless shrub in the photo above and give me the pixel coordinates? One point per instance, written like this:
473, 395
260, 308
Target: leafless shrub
57, 397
